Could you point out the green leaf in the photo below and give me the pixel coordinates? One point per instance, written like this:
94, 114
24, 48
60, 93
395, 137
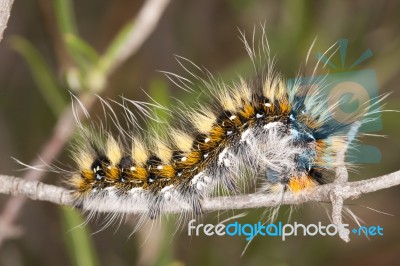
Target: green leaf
65, 16
44, 78
77, 239
83, 54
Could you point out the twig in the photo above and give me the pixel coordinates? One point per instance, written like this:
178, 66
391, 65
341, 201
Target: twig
66, 123
350, 190
34, 190
5, 10
342, 176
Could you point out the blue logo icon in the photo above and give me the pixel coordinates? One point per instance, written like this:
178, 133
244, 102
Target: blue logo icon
350, 94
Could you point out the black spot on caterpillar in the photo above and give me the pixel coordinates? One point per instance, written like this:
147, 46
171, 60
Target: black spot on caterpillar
260, 127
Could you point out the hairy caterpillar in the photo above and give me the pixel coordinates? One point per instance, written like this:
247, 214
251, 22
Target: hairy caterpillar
260, 130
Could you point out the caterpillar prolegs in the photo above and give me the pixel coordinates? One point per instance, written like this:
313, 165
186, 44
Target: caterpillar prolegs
264, 131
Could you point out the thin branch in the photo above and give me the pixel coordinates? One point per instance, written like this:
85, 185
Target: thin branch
342, 176
350, 190
5, 10
34, 190
337, 208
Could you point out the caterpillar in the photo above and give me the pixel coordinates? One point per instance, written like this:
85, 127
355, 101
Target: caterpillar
263, 130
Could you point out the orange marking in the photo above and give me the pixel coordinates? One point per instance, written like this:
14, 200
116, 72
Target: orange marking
112, 173
139, 174
248, 111
192, 159
284, 106
297, 184
87, 175
168, 171
216, 134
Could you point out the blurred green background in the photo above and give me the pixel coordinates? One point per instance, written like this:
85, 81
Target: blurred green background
46, 48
